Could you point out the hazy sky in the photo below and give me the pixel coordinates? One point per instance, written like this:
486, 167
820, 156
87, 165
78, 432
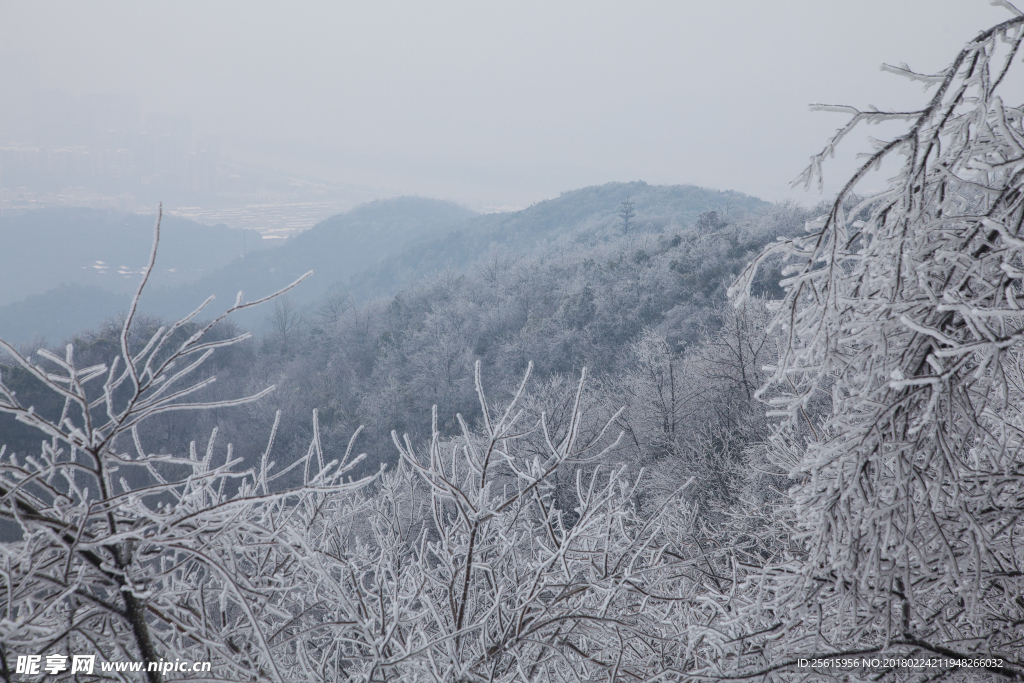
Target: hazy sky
496, 102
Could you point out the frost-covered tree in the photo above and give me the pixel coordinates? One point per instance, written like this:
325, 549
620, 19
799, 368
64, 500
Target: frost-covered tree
125, 551
513, 550
627, 214
691, 410
467, 565
904, 310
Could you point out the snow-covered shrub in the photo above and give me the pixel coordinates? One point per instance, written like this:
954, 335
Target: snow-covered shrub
465, 564
127, 552
905, 311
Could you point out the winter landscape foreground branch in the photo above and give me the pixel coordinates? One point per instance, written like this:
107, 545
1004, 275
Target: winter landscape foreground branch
903, 310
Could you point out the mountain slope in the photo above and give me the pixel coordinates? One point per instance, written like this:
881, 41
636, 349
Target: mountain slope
54, 315
586, 216
369, 252
335, 249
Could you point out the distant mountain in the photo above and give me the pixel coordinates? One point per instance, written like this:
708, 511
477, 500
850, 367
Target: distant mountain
56, 314
45, 248
336, 249
79, 266
371, 251
586, 216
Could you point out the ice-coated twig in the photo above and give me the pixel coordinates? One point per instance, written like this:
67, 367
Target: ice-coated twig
127, 555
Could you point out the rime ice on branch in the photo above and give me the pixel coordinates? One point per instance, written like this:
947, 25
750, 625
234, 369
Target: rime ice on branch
905, 308
135, 555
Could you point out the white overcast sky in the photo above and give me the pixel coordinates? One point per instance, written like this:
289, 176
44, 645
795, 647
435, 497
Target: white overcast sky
498, 102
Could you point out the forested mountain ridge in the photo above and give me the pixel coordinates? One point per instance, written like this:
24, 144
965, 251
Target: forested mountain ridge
335, 248
58, 313
194, 260
380, 247
577, 218
573, 294
382, 364
373, 250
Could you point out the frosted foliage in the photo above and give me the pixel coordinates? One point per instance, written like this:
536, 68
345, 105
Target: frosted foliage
904, 309
521, 547
469, 561
131, 554
692, 413
465, 566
